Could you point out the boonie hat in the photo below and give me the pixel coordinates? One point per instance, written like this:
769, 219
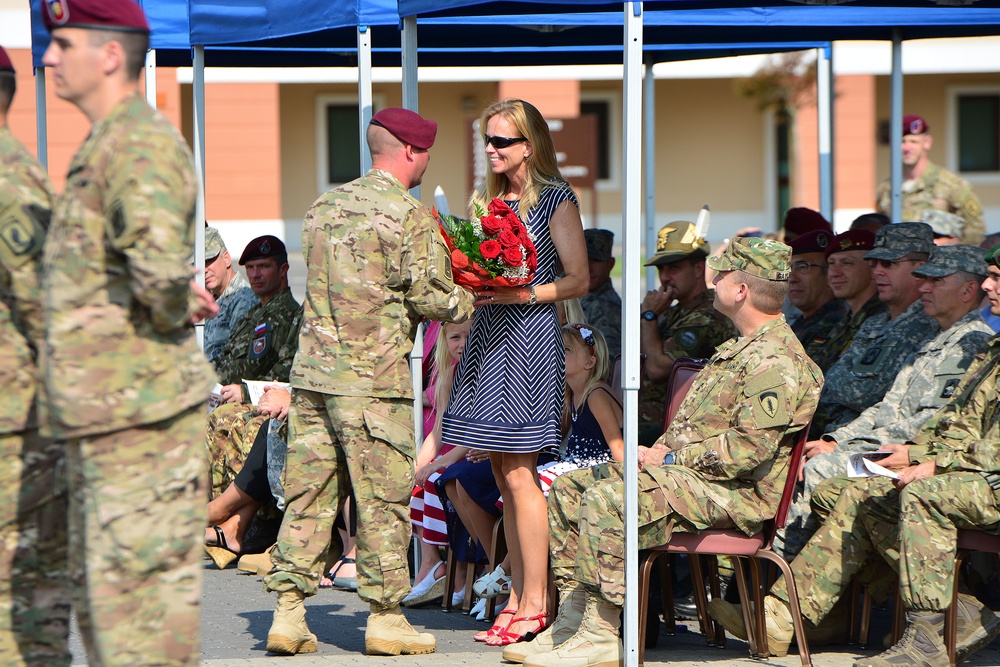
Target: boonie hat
914, 124
817, 241
407, 126
852, 239
677, 241
123, 15
5, 64
599, 242
894, 242
949, 259
943, 223
263, 247
759, 257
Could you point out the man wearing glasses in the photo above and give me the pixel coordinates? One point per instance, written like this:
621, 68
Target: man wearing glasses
809, 291
867, 368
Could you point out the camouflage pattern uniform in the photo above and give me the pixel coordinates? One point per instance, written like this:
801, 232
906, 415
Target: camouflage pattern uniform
925, 384
34, 600
942, 189
696, 332
232, 428
820, 323
125, 385
376, 264
234, 302
731, 439
868, 367
603, 309
827, 346
914, 530
262, 344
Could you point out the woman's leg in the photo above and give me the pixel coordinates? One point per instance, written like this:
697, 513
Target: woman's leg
232, 500
510, 532
476, 520
430, 559
235, 527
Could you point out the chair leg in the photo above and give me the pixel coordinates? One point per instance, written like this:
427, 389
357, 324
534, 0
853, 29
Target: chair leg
715, 591
866, 616
667, 593
747, 601
700, 600
898, 618
951, 615
496, 556
793, 601
645, 567
450, 570
470, 578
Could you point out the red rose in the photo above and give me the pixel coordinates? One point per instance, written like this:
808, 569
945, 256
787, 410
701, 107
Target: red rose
532, 263
508, 238
490, 249
492, 225
513, 256
498, 207
459, 259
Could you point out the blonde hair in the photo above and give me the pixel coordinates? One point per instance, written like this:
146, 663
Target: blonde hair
602, 366
443, 373
542, 166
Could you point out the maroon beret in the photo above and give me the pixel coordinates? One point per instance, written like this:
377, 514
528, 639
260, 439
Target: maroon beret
407, 126
853, 239
5, 64
123, 15
914, 124
814, 241
801, 220
263, 247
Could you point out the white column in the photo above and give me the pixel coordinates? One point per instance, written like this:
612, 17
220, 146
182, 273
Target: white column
824, 105
896, 126
41, 119
198, 96
151, 77
364, 92
649, 161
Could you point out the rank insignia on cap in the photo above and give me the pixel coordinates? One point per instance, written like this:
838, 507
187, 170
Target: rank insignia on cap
58, 11
265, 248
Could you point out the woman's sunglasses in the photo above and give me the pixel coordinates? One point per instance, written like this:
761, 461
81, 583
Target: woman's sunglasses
502, 142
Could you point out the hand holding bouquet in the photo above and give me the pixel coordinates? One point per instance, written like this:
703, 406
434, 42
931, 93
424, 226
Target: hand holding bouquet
494, 250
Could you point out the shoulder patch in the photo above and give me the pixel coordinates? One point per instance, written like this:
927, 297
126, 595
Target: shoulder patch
949, 388
22, 234
769, 408
688, 339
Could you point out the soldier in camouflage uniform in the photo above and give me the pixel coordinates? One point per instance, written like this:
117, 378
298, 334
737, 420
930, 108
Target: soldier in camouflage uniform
947, 227
34, 599
808, 290
720, 464
928, 186
231, 291
602, 306
124, 382
376, 264
850, 279
691, 327
951, 295
867, 368
948, 481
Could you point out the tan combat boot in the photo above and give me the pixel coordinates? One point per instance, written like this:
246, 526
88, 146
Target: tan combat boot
568, 617
289, 633
259, 564
595, 644
977, 626
389, 633
777, 618
922, 644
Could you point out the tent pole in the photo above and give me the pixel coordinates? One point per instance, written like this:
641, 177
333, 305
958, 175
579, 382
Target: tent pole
198, 95
631, 226
150, 79
896, 126
364, 92
824, 106
649, 163
41, 118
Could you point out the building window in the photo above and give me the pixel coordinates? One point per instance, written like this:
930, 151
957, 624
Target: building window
606, 108
601, 111
978, 132
343, 147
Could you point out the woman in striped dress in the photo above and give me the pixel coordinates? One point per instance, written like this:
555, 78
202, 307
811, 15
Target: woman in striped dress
508, 392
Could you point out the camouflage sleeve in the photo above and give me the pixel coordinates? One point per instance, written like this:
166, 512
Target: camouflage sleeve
286, 349
149, 212
23, 225
764, 414
883, 202
426, 272
609, 324
971, 210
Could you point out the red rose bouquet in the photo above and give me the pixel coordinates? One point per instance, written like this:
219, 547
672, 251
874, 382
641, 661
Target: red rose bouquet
494, 250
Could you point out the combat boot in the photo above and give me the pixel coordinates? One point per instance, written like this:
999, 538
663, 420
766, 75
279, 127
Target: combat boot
389, 633
259, 564
595, 644
777, 619
289, 633
977, 626
922, 644
568, 618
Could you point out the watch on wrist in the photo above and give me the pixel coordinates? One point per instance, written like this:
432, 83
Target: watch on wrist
532, 298
649, 316
669, 459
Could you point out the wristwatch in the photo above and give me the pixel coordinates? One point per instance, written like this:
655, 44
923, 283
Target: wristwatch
532, 298
649, 316
669, 459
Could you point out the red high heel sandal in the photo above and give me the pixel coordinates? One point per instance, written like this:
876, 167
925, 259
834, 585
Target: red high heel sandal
496, 630
505, 637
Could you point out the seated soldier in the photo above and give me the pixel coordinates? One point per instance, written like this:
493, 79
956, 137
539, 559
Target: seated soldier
949, 474
720, 464
950, 286
809, 291
691, 327
867, 368
851, 280
231, 291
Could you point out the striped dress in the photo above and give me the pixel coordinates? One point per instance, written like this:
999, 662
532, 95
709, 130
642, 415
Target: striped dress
508, 393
